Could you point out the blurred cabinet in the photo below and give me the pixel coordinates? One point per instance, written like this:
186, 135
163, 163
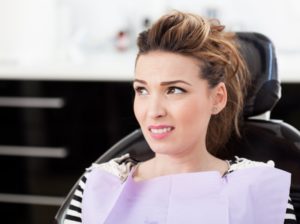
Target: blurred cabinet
50, 131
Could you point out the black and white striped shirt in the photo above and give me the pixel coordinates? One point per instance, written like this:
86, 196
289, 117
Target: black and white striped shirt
121, 167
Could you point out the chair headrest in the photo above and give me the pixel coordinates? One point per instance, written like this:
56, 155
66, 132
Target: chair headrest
265, 89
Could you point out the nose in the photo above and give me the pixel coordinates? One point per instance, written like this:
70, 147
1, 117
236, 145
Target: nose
156, 108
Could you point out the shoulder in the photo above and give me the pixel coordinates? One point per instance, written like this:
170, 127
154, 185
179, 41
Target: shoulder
243, 163
257, 173
120, 166
259, 177
263, 185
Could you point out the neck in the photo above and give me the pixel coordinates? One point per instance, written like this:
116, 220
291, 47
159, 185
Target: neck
171, 164
162, 165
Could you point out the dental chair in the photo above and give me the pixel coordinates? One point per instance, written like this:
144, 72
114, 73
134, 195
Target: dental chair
262, 138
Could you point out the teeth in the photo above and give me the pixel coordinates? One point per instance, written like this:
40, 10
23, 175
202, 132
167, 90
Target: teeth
161, 130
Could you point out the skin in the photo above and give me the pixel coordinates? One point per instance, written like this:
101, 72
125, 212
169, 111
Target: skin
170, 94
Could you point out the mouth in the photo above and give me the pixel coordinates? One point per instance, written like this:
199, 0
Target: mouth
160, 131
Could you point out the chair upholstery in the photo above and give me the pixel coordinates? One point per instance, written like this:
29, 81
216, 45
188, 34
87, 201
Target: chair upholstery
265, 90
261, 140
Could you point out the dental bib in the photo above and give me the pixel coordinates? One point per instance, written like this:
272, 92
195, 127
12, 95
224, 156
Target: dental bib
253, 195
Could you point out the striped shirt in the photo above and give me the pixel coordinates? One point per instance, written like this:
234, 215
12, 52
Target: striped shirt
121, 167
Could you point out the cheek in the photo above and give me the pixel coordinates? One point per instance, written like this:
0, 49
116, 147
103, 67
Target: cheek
194, 112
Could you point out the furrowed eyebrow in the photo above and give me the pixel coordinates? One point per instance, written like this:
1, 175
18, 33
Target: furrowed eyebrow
140, 81
174, 82
166, 83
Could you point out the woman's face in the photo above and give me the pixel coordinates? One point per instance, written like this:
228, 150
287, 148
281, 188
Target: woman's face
172, 104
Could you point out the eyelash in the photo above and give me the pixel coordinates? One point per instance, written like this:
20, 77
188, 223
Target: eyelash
174, 88
139, 90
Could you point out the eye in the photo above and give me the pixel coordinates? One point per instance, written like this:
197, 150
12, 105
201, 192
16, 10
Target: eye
141, 91
175, 90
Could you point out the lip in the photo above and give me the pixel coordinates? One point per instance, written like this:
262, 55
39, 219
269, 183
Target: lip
160, 135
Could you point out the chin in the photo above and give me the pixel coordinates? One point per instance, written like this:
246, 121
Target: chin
163, 149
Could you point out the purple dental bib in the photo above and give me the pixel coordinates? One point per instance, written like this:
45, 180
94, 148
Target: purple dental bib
256, 195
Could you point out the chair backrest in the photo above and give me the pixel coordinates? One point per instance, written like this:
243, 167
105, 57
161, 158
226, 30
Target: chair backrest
261, 140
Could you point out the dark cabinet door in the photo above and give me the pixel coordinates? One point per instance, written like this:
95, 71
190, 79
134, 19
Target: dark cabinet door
50, 131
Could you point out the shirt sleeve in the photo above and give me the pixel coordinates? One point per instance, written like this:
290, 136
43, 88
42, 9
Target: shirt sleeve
73, 214
290, 217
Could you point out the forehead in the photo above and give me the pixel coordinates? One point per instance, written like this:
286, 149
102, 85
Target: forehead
166, 65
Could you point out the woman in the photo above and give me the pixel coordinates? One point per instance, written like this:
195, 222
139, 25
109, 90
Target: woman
189, 82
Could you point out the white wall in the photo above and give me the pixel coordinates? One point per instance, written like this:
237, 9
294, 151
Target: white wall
276, 18
27, 31
36, 32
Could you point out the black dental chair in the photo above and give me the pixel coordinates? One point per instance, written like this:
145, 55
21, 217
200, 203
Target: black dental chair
262, 138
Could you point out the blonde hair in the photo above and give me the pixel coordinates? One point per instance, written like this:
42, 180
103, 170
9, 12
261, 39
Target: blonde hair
217, 51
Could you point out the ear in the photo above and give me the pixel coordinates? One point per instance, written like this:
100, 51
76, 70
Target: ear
219, 98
